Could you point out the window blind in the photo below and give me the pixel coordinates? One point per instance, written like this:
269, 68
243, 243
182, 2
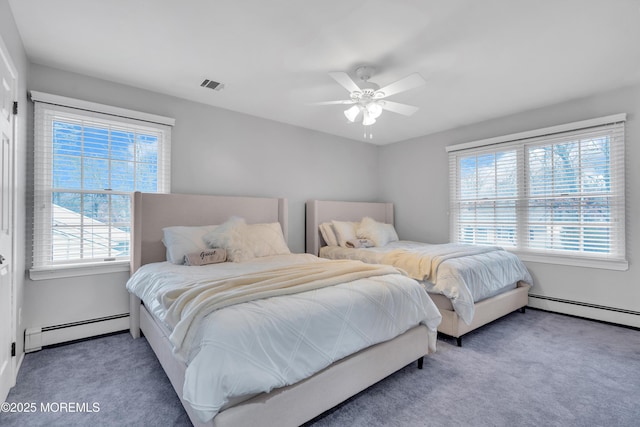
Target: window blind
556, 195
86, 165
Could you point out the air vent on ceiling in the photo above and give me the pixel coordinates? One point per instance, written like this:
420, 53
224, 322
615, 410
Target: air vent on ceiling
210, 84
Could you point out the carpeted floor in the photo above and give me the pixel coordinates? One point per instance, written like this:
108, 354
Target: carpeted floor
532, 369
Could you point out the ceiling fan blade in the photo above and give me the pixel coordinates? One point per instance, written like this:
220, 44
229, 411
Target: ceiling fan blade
345, 81
399, 108
412, 81
340, 102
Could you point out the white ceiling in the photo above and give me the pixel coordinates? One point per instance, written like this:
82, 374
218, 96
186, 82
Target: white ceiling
481, 59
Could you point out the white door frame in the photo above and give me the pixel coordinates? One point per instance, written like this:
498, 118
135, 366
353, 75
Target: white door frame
11, 258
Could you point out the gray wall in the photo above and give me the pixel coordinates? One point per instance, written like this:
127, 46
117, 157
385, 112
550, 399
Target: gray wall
11, 38
214, 151
414, 175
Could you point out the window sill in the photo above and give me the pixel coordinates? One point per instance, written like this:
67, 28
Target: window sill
89, 269
577, 262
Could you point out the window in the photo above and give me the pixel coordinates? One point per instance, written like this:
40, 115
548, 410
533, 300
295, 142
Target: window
551, 195
87, 163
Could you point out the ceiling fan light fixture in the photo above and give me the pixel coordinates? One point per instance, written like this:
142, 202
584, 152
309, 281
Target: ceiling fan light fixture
352, 113
367, 120
374, 109
368, 99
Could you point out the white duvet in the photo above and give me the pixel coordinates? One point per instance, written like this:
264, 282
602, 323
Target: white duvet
463, 273
254, 347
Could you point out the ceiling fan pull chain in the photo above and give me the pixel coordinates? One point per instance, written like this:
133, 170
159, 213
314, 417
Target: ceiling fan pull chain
369, 133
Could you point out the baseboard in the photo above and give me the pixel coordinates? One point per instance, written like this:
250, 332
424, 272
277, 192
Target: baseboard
19, 364
36, 338
16, 368
586, 310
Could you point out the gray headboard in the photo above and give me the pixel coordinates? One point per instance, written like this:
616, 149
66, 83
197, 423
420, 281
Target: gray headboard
153, 211
319, 211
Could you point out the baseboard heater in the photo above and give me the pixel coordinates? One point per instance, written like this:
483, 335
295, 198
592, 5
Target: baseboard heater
36, 338
582, 309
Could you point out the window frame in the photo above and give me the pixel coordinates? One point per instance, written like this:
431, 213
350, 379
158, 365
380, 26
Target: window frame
47, 107
541, 137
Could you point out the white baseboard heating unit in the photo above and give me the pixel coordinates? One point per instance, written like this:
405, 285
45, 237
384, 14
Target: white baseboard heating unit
603, 313
36, 338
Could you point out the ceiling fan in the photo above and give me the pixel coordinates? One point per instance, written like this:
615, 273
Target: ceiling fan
368, 100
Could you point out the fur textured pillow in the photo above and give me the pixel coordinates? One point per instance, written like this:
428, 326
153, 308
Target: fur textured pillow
228, 236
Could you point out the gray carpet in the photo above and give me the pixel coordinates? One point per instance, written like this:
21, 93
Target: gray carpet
532, 369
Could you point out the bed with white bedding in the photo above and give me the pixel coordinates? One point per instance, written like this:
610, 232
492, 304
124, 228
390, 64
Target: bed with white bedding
472, 285
270, 333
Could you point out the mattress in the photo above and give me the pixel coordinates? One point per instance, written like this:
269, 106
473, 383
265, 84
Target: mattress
464, 279
260, 345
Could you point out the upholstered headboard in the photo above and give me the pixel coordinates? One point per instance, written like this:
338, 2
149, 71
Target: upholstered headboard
152, 212
319, 211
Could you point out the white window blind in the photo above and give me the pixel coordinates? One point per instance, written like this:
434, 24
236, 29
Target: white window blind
86, 165
556, 196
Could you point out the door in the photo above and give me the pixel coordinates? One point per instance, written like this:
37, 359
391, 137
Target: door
7, 306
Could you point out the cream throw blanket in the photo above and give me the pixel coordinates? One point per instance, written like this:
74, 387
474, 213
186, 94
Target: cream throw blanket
191, 302
423, 263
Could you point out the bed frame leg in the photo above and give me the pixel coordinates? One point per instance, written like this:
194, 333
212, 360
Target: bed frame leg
420, 362
522, 309
134, 316
459, 341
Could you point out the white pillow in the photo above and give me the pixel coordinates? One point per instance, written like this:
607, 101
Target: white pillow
345, 231
378, 232
326, 229
244, 242
182, 240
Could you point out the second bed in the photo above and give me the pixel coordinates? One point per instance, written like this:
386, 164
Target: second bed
471, 285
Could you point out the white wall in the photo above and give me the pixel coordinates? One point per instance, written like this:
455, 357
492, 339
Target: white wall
12, 41
414, 175
214, 151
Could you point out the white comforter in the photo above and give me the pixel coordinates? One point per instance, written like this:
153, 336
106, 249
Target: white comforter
464, 276
256, 346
